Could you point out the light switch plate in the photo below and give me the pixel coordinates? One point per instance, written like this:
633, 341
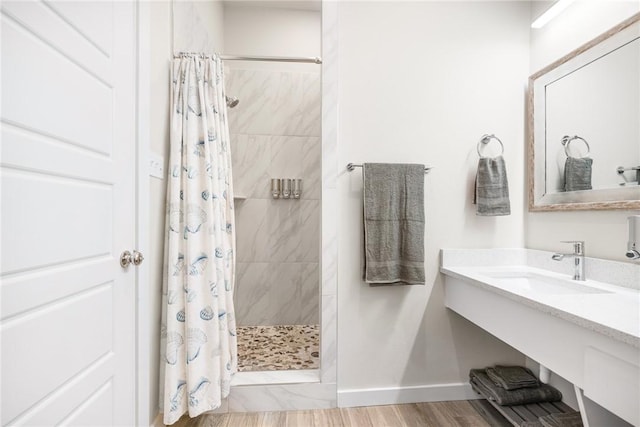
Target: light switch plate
156, 166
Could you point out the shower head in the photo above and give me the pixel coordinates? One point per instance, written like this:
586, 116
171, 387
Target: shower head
231, 101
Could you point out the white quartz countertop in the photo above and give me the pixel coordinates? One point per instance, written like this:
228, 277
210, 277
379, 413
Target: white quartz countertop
606, 308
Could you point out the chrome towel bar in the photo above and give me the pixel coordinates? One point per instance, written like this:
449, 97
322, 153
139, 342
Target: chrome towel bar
352, 166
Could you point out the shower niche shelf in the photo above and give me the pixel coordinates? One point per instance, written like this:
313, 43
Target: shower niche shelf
239, 197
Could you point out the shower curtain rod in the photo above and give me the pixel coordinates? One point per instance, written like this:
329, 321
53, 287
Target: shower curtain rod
302, 59
313, 60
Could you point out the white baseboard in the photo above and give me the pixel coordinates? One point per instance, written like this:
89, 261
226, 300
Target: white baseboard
413, 394
299, 396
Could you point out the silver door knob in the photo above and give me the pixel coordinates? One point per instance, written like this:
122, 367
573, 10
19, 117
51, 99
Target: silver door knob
137, 258
127, 258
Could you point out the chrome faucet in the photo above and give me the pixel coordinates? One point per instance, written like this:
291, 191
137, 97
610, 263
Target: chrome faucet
578, 257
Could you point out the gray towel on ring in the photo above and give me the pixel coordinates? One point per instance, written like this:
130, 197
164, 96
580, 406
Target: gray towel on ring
522, 396
393, 223
577, 173
512, 377
492, 188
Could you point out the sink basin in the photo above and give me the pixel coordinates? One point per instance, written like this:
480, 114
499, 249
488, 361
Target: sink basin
532, 282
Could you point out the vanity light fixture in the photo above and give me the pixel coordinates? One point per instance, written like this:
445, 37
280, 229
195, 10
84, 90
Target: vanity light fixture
551, 13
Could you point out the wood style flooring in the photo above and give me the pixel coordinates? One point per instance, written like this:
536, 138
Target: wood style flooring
437, 414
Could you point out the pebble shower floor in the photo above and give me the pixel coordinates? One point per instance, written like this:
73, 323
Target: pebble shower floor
278, 348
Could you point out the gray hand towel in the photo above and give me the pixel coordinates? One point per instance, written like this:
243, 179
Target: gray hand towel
577, 174
522, 396
572, 419
394, 223
492, 187
512, 377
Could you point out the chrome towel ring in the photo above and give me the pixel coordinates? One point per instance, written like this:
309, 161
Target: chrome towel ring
486, 139
566, 140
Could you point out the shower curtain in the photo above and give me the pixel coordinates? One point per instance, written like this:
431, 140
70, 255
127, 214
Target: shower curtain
199, 351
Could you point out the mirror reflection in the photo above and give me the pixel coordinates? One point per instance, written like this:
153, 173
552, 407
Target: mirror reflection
593, 124
584, 125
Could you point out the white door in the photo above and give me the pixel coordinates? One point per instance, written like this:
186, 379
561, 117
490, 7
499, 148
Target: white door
68, 189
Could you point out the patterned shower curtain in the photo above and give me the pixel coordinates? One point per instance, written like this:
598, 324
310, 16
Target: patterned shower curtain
199, 352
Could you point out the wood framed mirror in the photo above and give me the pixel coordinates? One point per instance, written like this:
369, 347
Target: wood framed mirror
584, 126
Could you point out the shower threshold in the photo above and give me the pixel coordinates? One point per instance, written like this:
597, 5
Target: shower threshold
294, 376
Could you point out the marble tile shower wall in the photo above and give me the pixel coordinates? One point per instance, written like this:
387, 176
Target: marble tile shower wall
275, 133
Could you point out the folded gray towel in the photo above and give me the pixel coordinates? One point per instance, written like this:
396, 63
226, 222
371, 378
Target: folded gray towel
542, 393
531, 424
492, 187
512, 377
394, 223
577, 173
571, 419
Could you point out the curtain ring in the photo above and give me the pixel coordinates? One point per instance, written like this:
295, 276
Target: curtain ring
486, 138
566, 140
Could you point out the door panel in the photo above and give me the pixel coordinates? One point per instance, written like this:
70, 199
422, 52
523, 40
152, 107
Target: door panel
85, 228
67, 319
96, 408
91, 19
69, 399
19, 146
51, 94
47, 348
24, 292
42, 21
